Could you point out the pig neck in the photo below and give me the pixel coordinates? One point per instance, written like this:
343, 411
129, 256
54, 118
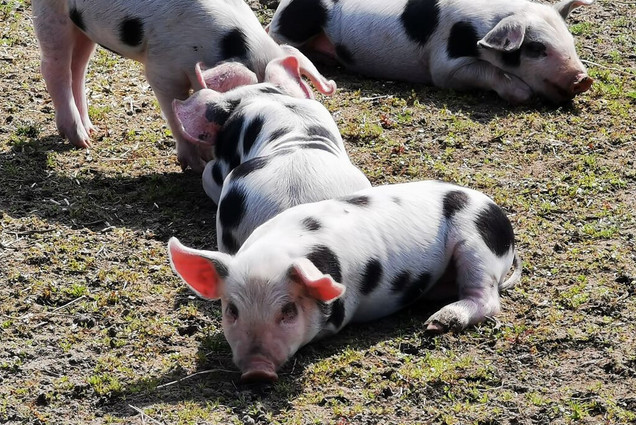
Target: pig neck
266, 50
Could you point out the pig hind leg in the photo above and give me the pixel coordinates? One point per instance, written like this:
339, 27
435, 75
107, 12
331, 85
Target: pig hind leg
482, 75
82, 52
65, 52
478, 295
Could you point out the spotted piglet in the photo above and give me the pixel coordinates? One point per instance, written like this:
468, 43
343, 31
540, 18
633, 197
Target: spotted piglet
168, 36
272, 150
312, 269
514, 47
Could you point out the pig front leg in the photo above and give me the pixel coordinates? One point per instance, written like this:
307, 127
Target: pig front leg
65, 52
483, 75
167, 88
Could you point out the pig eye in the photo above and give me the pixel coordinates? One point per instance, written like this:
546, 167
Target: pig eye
232, 311
535, 49
289, 312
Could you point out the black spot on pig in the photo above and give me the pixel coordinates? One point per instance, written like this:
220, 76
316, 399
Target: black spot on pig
311, 224
462, 40
344, 54
511, 59
232, 208
495, 229
315, 145
420, 19
131, 31
371, 276
227, 140
302, 20
337, 313
317, 130
417, 288
453, 202
216, 113
230, 242
326, 261
270, 90
400, 282
217, 174
276, 134
221, 268
249, 167
77, 18
251, 133
358, 200
234, 45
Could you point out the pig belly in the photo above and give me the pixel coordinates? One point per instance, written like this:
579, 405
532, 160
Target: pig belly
387, 53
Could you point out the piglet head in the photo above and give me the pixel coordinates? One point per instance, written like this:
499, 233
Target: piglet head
270, 304
536, 46
287, 72
201, 116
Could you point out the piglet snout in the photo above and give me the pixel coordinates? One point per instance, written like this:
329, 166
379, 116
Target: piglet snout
582, 83
259, 371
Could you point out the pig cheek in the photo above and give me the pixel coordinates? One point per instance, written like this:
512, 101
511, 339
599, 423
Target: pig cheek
235, 338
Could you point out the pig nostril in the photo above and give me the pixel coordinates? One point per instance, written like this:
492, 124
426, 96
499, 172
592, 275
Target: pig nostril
259, 376
582, 85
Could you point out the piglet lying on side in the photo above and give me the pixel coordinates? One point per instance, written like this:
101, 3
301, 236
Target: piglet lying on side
272, 150
315, 267
514, 47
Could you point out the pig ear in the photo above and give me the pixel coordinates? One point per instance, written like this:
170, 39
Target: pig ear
201, 116
203, 271
285, 73
566, 6
308, 70
506, 36
225, 76
319, 286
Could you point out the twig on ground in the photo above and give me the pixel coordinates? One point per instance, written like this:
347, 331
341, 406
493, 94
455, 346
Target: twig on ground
143, 415
194, 374
67, 304
385, 96
33, 232
619, 70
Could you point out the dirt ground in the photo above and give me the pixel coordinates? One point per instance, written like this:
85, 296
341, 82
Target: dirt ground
95, 327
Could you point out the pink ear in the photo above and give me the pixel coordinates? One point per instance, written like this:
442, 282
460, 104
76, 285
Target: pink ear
197, 118
285, 73
202, 273
319, 286
225, 76
308, 69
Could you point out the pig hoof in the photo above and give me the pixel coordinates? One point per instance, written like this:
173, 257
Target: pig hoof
436, 327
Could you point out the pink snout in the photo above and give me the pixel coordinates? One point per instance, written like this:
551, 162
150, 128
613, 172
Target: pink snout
259, 370
582, 84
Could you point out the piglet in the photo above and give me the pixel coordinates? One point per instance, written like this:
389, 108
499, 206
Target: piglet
315, 267
168, 36
272, 150
514, 47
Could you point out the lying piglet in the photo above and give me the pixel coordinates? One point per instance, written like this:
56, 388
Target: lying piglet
514, 47
272, 150
315, 267
168, 36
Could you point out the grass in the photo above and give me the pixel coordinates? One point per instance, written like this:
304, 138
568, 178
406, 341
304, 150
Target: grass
95, 328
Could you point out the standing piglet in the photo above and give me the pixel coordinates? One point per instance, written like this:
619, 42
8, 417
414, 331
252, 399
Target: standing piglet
168, 36
272, 150
315, 267
514, 47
